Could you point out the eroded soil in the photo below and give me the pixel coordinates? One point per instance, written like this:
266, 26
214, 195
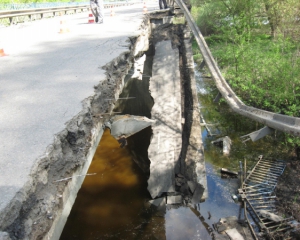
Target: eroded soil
288, 194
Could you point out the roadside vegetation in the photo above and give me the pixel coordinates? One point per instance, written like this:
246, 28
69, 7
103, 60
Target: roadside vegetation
34, 1
256, 44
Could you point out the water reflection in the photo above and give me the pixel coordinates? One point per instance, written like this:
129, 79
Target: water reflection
110, 202
185, 223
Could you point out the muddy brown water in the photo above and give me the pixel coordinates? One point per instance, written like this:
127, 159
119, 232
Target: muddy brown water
113, 203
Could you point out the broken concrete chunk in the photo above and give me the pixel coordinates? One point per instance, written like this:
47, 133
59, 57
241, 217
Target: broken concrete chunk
225, 223
197, 195
226, 171
184, 188
174, 199
179, 175
233, 234
226, 145
159, 203
270, 216
123, 126
177, 182
4, 236
139, 67
295, 224
192, 186
220, 227
225, 142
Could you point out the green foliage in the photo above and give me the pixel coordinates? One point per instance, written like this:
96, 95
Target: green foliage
256, 43
264, 73
34, 1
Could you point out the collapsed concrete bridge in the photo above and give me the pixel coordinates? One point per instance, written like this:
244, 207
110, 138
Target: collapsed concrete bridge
36, 201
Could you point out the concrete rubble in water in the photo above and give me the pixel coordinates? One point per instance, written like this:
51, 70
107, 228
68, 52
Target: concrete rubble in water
177, 169
124, 126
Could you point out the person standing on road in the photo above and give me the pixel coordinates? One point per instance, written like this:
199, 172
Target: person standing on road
97, 9
161, 3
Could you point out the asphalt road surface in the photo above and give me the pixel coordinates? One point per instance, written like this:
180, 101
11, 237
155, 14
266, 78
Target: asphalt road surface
45, 78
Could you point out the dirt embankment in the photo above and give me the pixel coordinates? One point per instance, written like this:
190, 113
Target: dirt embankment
288, 194
35, 210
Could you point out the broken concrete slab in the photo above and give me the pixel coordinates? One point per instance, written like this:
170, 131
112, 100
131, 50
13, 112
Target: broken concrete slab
227, 171
225, 142
124, 126
198, 194
165, 146
229, 223
192, 186
225, 223
174, 199
4, 236
234, 234
138, 67
159, 203
254, 136
271, 216
193, 162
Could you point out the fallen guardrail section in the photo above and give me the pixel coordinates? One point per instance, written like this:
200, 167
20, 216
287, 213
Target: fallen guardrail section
259, 199
53, 11
280, 122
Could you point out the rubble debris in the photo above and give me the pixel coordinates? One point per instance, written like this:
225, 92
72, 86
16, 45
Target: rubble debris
192, 186
259, 196
270, 216
224, 142
233, 234
225, 223
4, 236
235, 198
174, 199
123, 126
159, 203
229, 172
198, 193
233, 227
122, 141
138, 67
294, 224
254, 136
192, 190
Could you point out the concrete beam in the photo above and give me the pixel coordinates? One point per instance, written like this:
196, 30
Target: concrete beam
123, 126
165, 146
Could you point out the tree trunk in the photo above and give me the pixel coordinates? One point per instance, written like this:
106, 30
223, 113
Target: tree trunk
273, 16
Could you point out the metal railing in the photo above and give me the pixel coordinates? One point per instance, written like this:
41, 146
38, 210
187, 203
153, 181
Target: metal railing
53, 11
277, 121
259, 197
32, 5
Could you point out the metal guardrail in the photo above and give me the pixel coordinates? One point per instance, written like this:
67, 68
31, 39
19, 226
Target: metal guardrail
11, 14
277, 121
32, 5
258, 194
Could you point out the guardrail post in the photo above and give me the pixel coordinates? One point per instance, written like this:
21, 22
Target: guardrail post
217, 98
202, 64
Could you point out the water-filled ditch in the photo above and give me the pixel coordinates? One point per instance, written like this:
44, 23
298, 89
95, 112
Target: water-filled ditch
113, 203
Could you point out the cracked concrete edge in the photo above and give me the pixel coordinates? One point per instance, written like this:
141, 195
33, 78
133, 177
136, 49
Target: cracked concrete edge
4, 236
40, 209
195, 151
